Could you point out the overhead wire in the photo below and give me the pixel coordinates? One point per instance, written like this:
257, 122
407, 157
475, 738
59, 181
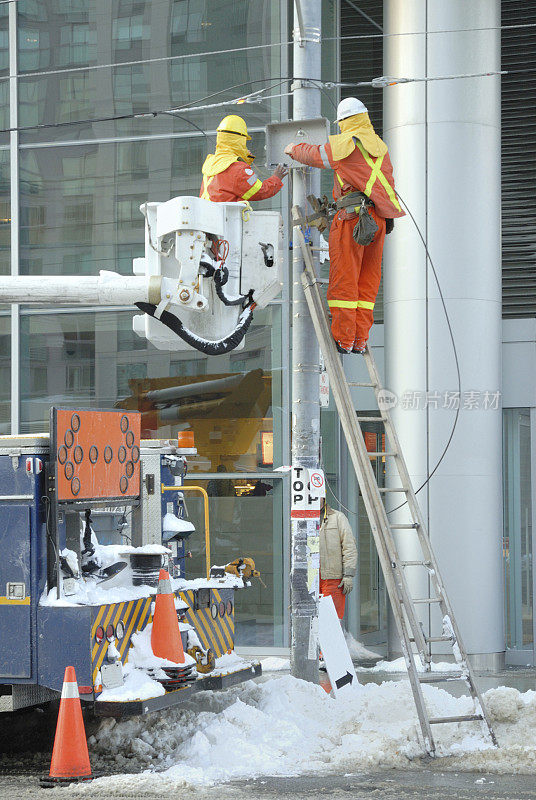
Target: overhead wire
248, 48
149, 113
257, 97
254, 97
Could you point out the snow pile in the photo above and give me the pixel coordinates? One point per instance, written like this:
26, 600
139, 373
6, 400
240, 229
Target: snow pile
141, 653
144, 550
284, 726
231, 662
137, 685
274, 664
89, 593
172, 524
358, 651
399, 665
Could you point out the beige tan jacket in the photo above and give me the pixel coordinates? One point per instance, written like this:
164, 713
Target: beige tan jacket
338, 550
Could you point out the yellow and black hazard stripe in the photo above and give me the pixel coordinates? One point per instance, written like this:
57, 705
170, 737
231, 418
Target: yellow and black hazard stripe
134, 615
214, 633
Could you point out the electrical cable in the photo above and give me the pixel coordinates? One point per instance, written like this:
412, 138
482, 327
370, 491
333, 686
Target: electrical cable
247, 48
157, 112
456, 359
454, 350
458, 373
378, 83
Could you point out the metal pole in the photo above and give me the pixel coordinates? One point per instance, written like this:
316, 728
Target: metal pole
305, 354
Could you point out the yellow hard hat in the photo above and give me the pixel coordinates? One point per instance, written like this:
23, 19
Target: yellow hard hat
234, 124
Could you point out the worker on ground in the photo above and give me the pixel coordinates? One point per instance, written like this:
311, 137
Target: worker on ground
364, 191
227, 174
338, 557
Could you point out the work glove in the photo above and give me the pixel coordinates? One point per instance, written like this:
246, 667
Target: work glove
346, 584
280, 171
289, 148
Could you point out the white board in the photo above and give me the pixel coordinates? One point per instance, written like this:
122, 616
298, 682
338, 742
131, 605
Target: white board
335, 650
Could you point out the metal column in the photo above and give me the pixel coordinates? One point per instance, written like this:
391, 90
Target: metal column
444, 140
305, 363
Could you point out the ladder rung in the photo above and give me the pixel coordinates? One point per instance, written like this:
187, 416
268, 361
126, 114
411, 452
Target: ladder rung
370, 419
395, 489
378, 454
362, 384
414, 563
435, 639
463, 718
427, 600
438, 677
405, 526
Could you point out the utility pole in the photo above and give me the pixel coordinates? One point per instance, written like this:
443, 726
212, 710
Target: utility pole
305, 351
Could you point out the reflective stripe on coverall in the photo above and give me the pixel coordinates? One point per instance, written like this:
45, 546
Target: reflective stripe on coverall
239, 182
355, 271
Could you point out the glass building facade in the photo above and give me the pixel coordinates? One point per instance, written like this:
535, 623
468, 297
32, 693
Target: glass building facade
80, 150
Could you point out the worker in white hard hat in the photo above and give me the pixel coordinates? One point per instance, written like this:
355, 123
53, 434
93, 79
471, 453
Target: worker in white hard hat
227, 174
364, 191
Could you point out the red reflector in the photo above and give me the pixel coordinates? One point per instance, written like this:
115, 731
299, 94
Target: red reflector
110, 633
99, 634
85, 689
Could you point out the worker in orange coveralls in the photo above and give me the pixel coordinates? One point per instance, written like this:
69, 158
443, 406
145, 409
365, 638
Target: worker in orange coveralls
227, 175
362, 165
338, 557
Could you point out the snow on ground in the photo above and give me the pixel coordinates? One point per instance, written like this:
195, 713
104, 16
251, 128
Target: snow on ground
283, 727
275, 664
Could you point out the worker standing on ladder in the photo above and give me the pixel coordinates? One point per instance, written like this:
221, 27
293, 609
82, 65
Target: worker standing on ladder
227, 175
364, 194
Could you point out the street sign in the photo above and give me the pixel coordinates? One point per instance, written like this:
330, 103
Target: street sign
308, 489
335, 650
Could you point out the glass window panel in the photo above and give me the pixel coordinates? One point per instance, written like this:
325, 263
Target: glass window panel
84, 200
518, 528
95, 360
5, 371
4, 39
103, 33
5, 214
246, 519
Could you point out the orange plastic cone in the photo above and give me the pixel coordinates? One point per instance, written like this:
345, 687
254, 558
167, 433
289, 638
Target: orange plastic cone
166, 640
70, 757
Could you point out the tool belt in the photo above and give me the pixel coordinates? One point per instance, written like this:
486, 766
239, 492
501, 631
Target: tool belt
358, 205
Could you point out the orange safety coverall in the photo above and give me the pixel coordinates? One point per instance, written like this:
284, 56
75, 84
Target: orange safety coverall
239, 182
355, 270
330, 586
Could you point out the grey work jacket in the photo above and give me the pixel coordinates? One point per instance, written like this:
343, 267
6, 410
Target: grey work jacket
338, 550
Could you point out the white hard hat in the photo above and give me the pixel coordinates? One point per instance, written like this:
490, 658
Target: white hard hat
350, 106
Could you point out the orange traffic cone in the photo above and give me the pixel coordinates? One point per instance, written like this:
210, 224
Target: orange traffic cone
70, 757
166, 640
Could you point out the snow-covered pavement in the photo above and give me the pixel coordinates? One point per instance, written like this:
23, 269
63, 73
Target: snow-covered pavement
284, 727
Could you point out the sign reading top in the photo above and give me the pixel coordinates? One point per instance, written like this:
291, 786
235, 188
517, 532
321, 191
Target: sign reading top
97, 453
308, 489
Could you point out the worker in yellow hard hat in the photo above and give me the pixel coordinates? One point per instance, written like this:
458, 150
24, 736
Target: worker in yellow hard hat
227, 174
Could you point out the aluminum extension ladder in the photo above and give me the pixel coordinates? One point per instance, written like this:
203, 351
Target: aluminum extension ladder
412, 637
